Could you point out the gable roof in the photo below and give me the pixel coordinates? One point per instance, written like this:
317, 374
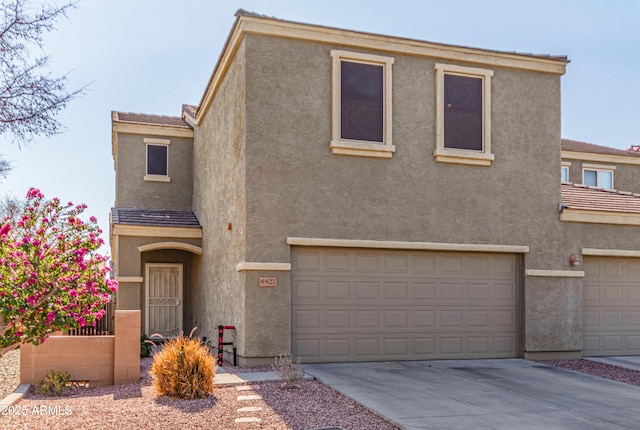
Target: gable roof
576, 146
584, 197
154, 217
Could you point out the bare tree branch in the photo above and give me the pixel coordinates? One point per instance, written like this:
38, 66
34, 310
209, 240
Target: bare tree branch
30, 97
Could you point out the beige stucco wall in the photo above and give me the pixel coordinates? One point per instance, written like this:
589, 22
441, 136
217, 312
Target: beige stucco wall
129, 257
86, 358
219, 204
296, 187
553, 314
262, 162
101, 360
131, 188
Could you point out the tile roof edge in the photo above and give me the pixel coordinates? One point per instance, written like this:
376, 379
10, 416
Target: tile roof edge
598, 149
602, 190
115, 115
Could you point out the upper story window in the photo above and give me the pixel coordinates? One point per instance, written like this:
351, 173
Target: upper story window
564, 171
463, 115
361, 104
598, 176
157, 162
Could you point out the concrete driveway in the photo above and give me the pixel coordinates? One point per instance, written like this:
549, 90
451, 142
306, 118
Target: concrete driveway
484, 394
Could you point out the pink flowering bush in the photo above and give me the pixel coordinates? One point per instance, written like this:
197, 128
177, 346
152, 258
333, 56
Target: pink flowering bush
51, 276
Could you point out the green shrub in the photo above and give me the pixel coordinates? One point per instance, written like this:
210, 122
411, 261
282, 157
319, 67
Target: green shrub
54, 383
145, 346
183, 368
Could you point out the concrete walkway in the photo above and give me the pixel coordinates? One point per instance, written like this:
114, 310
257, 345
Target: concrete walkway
224, 379
484, 394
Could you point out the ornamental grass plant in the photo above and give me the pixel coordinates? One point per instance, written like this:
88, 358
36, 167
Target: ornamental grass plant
183, 368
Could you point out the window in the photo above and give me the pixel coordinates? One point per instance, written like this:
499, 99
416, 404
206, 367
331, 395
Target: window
564, 171
601, 177
361, 104
157, 160
463, 115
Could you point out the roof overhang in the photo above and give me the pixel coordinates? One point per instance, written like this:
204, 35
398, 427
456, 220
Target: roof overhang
600, 158
260, 25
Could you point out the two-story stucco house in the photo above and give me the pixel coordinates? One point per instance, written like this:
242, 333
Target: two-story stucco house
347, 196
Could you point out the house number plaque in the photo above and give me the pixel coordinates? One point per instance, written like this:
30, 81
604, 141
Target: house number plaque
268, 282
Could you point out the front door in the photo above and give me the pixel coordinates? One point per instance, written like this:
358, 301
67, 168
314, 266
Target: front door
163, 292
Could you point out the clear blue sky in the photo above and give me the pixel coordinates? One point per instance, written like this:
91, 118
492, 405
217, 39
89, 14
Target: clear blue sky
151, 56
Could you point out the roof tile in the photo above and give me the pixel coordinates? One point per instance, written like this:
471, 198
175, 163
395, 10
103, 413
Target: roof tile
154, 217
597, 199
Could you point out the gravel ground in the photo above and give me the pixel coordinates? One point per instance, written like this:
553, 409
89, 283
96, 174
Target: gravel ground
607, 371
311, 406
9, 372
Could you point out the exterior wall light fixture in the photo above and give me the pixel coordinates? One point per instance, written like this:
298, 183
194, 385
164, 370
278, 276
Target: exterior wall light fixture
573, 260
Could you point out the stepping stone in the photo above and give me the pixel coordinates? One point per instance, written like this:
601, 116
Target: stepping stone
248, 420
250, 409
247, 387
250, 397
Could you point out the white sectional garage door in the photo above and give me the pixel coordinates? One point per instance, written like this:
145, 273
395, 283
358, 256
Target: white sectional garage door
611, 306
369, 305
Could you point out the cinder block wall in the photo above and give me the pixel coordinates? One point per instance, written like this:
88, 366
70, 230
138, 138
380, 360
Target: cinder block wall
101, 360
126, 351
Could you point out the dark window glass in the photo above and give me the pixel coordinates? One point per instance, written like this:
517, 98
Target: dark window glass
462, 112
157, 160
362, 114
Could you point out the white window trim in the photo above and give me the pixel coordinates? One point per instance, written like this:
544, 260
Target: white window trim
463, 156
156, 142
600, 168
340, 146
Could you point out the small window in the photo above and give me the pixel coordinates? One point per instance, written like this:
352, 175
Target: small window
598, 175
598, 178
361, 104
157, 165
564, 173
463, 115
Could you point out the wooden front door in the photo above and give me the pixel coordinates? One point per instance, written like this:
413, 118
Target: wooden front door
163, 303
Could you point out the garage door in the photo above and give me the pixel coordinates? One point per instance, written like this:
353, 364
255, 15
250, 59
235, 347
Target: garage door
611, 306
370, 305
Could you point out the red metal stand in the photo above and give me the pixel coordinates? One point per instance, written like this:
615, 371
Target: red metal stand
221, 343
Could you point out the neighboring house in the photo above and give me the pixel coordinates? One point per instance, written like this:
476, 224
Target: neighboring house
349, 196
